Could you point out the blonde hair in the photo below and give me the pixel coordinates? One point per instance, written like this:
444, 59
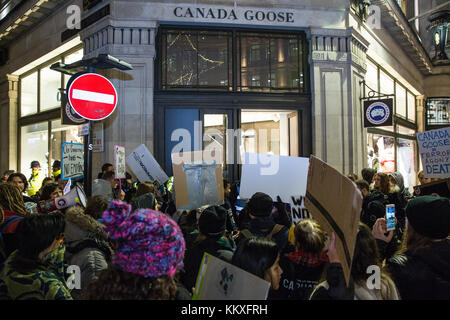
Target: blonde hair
309, 236
11, 199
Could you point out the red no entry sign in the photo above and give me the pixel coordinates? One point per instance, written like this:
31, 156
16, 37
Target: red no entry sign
92, 96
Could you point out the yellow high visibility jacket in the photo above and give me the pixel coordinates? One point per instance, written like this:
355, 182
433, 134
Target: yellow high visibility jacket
56, 173
34, 183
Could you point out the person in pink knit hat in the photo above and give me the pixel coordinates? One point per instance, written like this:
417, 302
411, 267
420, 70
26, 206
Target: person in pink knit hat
149, 252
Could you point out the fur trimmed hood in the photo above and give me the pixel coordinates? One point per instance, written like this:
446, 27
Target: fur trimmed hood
80, 226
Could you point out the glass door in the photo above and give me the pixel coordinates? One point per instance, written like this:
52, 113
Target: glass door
216, 129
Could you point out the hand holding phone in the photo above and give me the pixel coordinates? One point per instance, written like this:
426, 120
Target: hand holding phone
390, 217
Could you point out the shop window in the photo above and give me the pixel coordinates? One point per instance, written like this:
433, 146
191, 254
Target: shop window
62, 133
34, 146
381, 153
273, 59
28, 94
400, 100
411, 107
270, 132
371, 76
50, 83
71, 58
438, 111
406, 131
215, 135
386, 83
406, 164
196, 59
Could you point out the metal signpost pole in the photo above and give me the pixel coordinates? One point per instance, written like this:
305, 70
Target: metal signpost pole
88, 154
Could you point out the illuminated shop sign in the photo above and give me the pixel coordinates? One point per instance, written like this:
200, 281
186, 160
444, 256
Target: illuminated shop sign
378, 113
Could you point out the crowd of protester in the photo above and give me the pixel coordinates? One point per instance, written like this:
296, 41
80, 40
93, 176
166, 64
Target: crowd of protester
132, 243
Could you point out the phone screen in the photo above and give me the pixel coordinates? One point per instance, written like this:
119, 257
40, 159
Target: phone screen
390, 217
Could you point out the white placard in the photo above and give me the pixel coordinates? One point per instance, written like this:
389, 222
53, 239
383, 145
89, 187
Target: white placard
72, 163
220, 280
287, 179
144, 166
434, 149
119, 162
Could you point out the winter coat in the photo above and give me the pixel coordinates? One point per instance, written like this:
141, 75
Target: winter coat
373, 208
34, 183
262, 227
45, 281
334, 288
87, 246
222, 248
424, 273
301, 273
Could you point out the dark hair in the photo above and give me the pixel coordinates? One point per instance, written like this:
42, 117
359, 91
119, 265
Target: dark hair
226, 183
309, 236
48, 190
362, 184
367, 174
96, 205
412, 241
108, 175
21, 176
366, 253
8, 172
384, 182
115, 284
106, 166
255, 255
57, 177
36, 233
144, 188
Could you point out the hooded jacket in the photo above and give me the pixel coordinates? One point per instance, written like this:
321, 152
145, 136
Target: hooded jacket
45, 281
87, 246
373, 207
424, 273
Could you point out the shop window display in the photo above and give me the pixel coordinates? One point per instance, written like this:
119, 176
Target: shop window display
381, 153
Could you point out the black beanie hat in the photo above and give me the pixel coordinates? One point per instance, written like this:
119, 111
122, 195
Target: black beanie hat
212, 221
429, 216
260, 205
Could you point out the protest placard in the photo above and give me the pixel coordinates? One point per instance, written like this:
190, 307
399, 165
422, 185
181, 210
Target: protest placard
145, 167
334, 201
197, 180
434, 149
119, 162
220, 280
72, 162
289, 182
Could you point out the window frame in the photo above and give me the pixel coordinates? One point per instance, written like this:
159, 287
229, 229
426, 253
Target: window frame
235, 70
40, 116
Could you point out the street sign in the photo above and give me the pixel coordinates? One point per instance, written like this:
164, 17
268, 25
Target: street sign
92, 96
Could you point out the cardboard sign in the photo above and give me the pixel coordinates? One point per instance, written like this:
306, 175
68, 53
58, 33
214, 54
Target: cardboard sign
119, 162
197, 180
288, 180
145, 167
378, 113
334, 201
220, 280
72, 162
434, 149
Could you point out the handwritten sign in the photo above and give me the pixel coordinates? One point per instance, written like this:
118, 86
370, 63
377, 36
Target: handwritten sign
434, 148
288, 180
145, 166
72, 164
119, 162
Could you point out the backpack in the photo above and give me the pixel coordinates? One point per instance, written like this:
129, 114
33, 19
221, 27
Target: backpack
3, 250
276, 228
